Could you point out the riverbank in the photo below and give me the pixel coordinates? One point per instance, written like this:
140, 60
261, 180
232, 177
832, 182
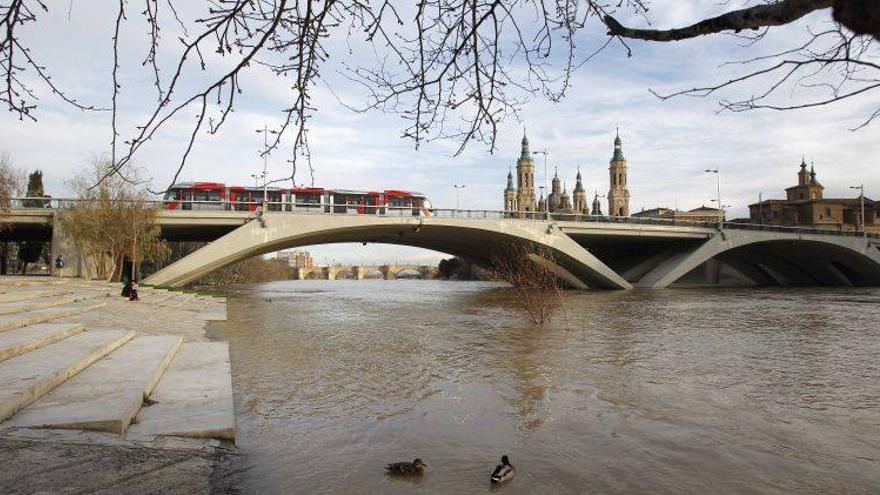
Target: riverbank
149, 457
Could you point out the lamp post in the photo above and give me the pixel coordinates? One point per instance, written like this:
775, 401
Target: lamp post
457, 187
265, 132
760, 207
544, 152
861, 188
717, 173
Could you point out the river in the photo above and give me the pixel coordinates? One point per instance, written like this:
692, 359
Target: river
644, 391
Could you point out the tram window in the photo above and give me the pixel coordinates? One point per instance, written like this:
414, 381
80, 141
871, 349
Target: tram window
308, 199
274, 201
207, 200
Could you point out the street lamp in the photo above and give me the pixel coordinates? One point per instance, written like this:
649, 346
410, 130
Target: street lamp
457, 187
544, 152
717, 173
265, 132
861, 188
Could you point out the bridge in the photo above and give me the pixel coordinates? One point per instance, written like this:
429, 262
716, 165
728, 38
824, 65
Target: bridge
360, 272
584, 251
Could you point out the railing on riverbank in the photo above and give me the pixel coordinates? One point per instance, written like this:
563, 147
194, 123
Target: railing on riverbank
412, 211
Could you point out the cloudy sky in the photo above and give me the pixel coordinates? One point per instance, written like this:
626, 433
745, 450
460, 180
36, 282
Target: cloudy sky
668, 144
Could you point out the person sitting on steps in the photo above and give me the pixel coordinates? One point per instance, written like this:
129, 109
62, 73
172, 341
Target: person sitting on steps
133, 291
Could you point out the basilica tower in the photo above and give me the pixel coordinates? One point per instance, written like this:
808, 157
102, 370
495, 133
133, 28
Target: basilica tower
579, 198
597, 205
510, 194
554, 199
525, 178
618, 194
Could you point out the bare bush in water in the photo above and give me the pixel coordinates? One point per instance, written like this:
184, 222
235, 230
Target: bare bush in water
249, 271
537, 289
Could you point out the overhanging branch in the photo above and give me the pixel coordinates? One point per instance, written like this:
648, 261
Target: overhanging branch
751, 18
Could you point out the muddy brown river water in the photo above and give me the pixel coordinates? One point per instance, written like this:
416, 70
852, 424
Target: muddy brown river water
647, 391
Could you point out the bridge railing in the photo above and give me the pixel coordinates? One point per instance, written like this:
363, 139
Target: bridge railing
797, 230
414, 211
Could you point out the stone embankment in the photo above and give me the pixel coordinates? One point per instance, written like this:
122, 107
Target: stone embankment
85, 370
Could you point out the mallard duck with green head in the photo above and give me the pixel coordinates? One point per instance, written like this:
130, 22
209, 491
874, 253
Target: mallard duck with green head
503, 472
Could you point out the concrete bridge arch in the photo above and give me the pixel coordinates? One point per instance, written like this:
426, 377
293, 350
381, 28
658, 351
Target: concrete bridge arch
470, 238
774, 258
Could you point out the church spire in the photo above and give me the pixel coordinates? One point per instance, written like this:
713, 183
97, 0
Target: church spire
555, 185
618, 147
579, 185
803, 174
525, 154
510, 186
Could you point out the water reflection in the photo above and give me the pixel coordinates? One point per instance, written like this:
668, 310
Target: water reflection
681, 391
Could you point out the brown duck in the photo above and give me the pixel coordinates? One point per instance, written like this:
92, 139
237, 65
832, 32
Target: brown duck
415, 468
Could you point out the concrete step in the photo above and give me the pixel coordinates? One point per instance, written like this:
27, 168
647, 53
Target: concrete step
107, 394
213, 313
196, 302
194, 398
30, 281
26, 339
28, 294
18, 320
47, 302
177, 301
26, 378
150, 295
156, 297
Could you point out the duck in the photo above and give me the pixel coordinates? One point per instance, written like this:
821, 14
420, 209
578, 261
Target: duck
503, 472
415, 468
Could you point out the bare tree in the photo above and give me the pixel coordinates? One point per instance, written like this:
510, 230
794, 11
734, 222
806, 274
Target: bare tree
12, 180
449, 68
11, 185
538, 291
112, 222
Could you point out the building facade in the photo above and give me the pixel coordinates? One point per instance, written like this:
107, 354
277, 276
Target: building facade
296, 259
521, 198
701, 214
805, 206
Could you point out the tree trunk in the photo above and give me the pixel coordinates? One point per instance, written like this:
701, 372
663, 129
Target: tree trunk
4, 258
24, 265
118, 265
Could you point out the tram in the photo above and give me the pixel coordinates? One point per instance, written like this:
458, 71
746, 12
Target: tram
219, 196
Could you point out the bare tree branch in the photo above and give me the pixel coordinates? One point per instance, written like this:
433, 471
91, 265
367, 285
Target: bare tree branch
841, 63
450, 69
755, 17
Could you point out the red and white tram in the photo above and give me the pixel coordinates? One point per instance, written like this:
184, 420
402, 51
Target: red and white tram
218, 196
